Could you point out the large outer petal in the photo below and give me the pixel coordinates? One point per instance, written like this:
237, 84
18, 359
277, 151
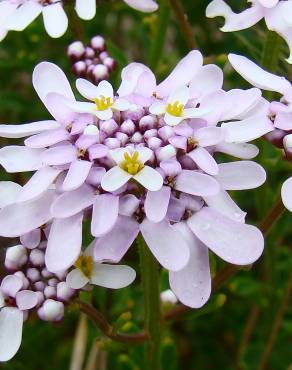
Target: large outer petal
234, 21
257, 76
196, 183
85, 9
23, 16
113, 246
49, 78
156, 204
55, 19
182, 74
192, 284
112, 276
19, 218
11, 322
104, 214
64, 243
18, 131
8, 192
166, 243
240, 175
146, 6
235, 242
20, 158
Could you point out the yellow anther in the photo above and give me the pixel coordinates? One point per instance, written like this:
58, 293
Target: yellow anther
85, 264
131, 163
103, 103
175, 109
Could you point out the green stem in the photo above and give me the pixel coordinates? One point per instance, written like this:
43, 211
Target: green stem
159, 36
270, 57
150, 282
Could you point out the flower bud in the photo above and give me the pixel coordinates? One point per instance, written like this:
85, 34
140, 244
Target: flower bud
76, 50
168, 297
51, 310
64, 292
37, 257
33, 274
98, 43
50, 292
128, 127
15, 257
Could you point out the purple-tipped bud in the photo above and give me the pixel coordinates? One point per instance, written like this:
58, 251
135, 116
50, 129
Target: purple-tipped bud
51, 310
40, 297
276, 137
33, 274
16, 257
135, 113
103, 55
50, 292
109, 127
37, 257
128, 127
137, 138
147, 122
166, 132
53, 282
89, 52
39, 286
98, 43
64, 292
79, 69
150, 133
110, 63
76, 50
154, 143
25, 282
123, 138
46, 273
100, 72
112, 143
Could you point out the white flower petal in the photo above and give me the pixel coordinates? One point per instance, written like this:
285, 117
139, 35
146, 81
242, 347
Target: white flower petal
114, 179
18, 131
20, 158
112, 276
23, 16
86, 9
76, 279
149, 178
8, 192
55, 19
11, 322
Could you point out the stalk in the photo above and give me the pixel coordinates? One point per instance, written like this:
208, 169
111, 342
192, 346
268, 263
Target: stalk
152, 310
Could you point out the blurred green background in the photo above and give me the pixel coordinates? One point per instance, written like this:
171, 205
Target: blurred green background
248, 323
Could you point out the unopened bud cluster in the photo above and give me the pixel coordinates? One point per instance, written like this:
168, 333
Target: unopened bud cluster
91, 61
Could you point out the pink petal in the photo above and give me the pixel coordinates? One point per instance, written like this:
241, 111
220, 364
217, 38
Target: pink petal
8, 192
38, 183
18, 131
232, 241
196, 183
156, 204
20, 158
26, 299
46, 139
20, 218
182, 74
114, 245
76, 174
11, 322
241, 175
59, 155
72, 202
204, 160
192, 284
11, 284
104, 214
166, 243
64, 243
209, 78
31, 239
239, 150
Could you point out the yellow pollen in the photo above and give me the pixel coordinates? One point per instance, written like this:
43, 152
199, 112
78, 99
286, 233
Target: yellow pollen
85, 264
103, 103
131, 163
175, 109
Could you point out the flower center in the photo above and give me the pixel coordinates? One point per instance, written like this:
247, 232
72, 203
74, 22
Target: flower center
131, 163
192, 143
85, 264
103, 103
175, 109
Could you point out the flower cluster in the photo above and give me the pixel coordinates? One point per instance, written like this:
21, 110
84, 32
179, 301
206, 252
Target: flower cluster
16, 15
279, 112
30, 286
140, 161
277, 15
92, 62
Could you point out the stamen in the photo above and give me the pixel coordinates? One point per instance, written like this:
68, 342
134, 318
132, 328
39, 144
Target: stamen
85, 264
175, 109
103, 103
192, 143
131, 163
